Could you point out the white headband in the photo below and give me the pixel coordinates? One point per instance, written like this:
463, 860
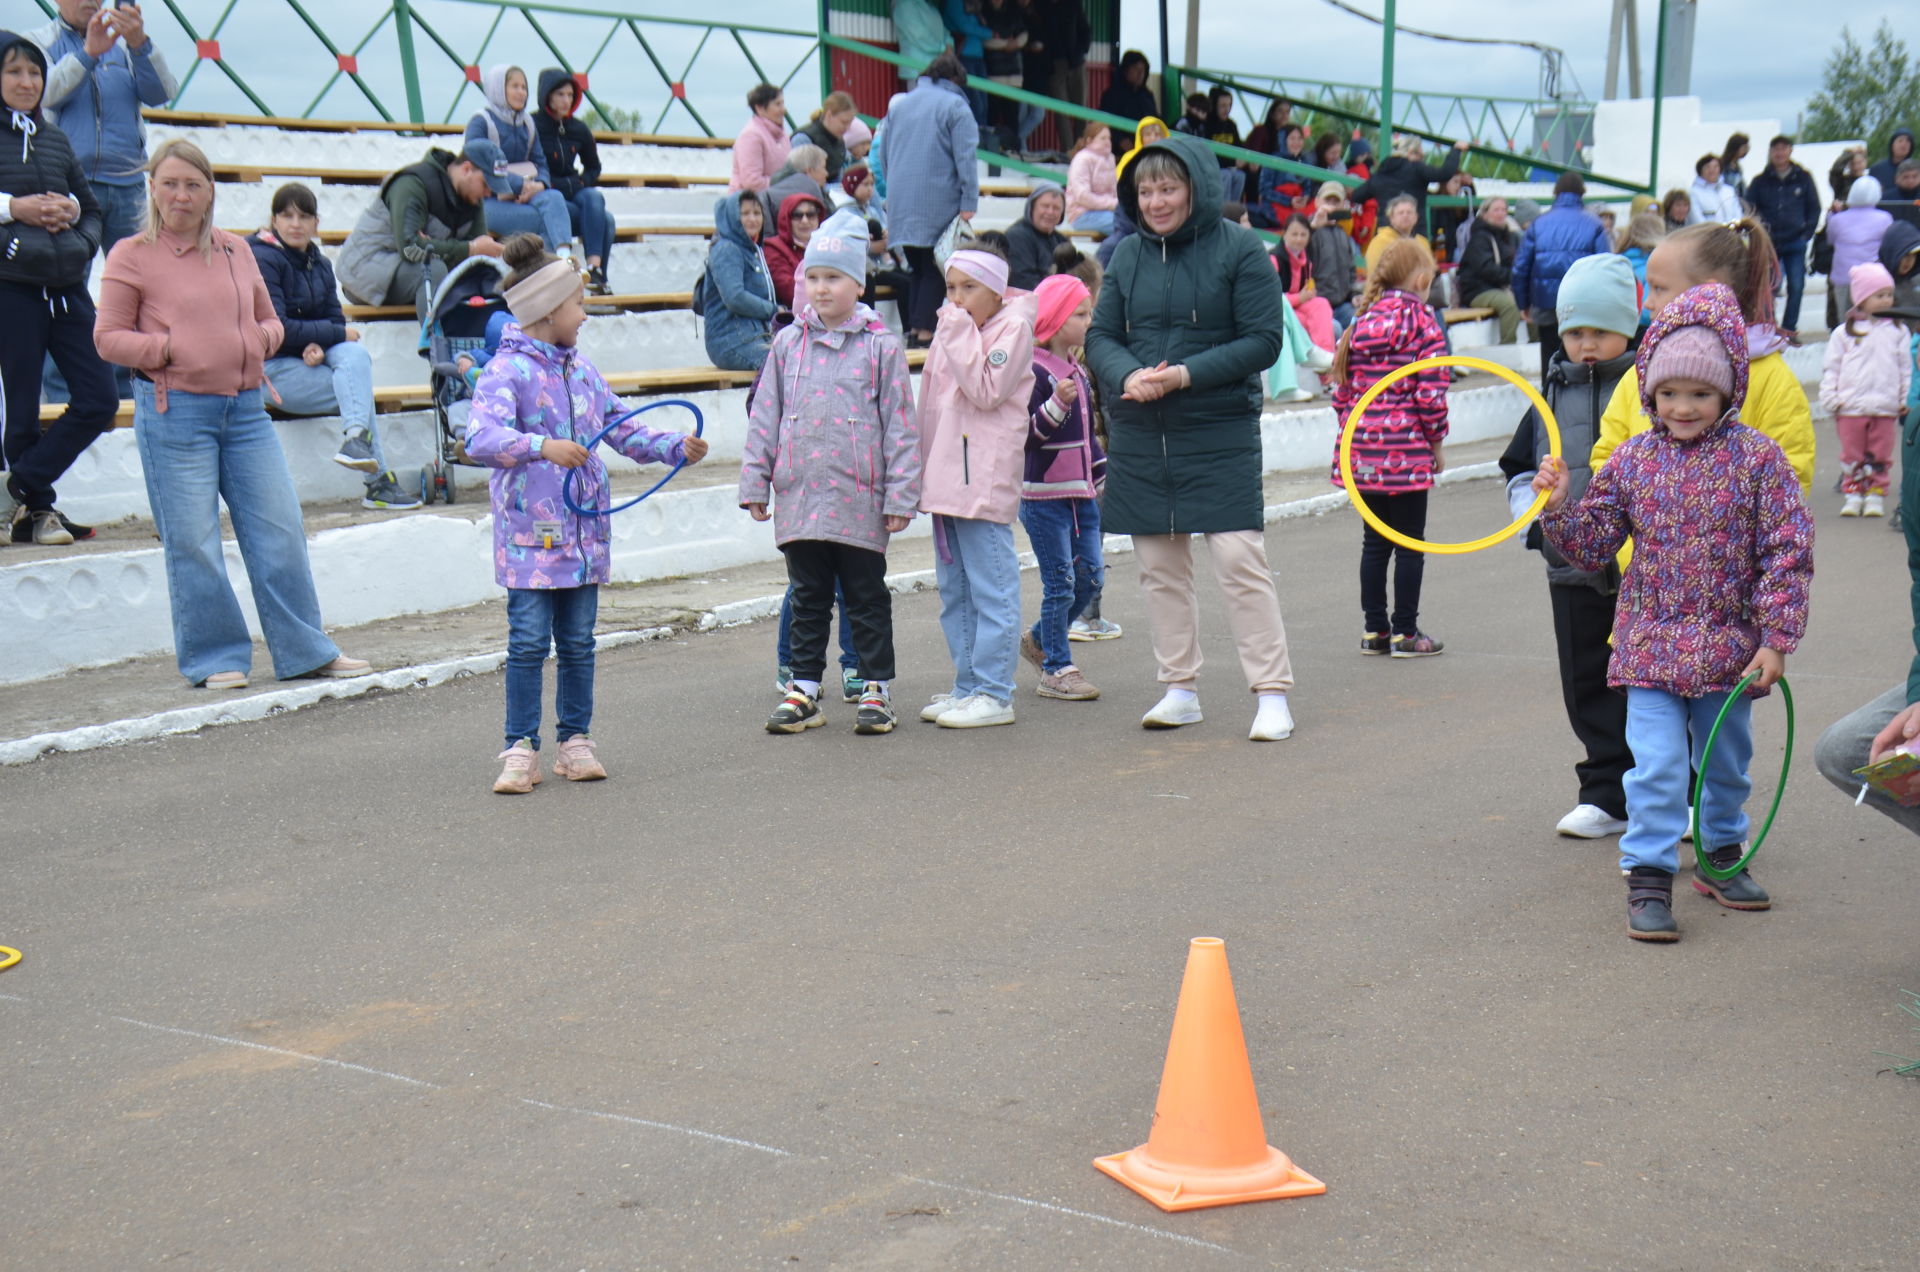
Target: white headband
549, 287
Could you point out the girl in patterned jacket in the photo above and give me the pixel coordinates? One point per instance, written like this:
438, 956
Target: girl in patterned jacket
831, 445
536, 405
1718, 589
1396, 448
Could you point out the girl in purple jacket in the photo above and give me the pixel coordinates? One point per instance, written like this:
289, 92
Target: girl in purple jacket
1723, 562
1396, 448
537, 403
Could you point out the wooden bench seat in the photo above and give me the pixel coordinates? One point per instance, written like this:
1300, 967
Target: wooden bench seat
1472, 313
630, 303
253, 173
213, 119
419, 397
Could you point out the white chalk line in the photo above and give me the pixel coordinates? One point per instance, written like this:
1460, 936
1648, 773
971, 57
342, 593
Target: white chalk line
661, 1126
689, 1131
280, 1051
1142, 1228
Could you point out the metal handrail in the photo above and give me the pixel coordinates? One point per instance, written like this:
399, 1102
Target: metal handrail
1474, 148
400, 19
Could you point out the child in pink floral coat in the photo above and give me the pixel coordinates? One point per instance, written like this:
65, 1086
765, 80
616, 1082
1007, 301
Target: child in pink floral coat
1722, 567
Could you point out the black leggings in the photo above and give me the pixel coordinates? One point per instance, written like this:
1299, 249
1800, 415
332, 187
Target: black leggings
1407, 513
926, 289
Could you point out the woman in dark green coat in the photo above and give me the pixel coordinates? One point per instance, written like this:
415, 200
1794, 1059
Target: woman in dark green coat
1189, 318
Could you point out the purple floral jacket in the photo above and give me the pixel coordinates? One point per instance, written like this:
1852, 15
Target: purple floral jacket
1723, 543
533, 389
832, 442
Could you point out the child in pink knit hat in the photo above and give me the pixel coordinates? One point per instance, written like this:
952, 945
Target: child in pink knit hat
1864, 384
1722, 567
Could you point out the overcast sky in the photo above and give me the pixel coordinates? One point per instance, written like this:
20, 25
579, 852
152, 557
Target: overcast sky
1752, 57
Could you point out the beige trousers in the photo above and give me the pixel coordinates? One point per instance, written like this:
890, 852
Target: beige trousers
1253, 607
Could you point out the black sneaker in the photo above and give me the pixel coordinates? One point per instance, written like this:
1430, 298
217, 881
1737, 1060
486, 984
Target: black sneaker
796, 713
1372, 643
1737, 893
597, 281
386, 492
1650, 905
356, 452
876, 712
1418, 645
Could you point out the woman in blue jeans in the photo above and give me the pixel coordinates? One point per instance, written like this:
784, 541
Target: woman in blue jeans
321, 367
183, 305
573, 161
535, 207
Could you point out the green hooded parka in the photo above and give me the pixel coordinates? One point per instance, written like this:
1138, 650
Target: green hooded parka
1205, 296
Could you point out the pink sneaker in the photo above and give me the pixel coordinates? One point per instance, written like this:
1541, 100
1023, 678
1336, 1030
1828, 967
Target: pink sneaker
522, 771
577, 762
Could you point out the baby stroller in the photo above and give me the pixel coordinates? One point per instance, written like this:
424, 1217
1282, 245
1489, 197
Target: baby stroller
462, 306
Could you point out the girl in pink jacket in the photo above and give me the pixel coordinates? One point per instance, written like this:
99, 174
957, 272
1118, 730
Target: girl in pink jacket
973, 440
1092, 183
1869, 369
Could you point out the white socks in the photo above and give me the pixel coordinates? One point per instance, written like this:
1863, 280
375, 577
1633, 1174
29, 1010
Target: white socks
1176, 694
809, 687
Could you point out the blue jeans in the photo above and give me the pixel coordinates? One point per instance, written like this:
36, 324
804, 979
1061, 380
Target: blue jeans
979, 604
1793, 263
749, 354
783, 646
1097, 222
593, 223
204, 449
546, 215
342, 385
976, 66
561, 619
1666, 734
1066, 540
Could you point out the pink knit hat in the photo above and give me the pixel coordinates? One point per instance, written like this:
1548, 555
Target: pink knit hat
1691, 353
1867, 278
1058, 295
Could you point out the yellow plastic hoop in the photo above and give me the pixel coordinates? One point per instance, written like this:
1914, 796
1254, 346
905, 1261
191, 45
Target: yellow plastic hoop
1449, 360
8, 957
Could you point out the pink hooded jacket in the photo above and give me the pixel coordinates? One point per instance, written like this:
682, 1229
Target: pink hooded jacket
1867, 374
973, 412
1092, 184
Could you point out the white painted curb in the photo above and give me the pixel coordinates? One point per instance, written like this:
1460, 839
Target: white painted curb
732, 614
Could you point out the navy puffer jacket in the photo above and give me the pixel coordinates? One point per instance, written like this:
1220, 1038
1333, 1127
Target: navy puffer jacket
37, 158
301, 285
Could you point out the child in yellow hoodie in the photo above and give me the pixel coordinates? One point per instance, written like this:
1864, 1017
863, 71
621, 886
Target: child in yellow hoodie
1741, 256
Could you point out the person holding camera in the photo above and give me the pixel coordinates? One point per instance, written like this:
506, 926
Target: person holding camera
1330, 247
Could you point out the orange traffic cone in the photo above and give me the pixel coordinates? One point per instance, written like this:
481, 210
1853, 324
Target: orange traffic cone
1208, 1146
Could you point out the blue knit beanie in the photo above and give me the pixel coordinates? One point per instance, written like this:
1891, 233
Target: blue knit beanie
1600, 292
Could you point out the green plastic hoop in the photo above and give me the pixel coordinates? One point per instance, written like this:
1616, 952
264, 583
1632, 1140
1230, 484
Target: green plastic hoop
1702, 861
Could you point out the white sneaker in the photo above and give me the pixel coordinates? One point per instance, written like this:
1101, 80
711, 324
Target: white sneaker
1851, 508
1273, 722
1876, 506
1318, 359
941, 704
1590, 821
1300, 395
977, 712
1093, 629
1171, 713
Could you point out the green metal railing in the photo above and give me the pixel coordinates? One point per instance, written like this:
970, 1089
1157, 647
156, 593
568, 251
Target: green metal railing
1269, 88
466, 42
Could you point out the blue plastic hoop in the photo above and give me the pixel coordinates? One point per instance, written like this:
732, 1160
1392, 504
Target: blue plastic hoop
566, 487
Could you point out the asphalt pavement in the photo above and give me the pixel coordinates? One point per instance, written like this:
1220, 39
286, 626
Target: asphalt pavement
303, 994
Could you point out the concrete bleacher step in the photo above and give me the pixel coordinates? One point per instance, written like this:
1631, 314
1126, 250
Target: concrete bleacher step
106, 601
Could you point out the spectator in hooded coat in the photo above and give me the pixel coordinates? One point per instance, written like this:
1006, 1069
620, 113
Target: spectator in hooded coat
1899, 150
1129, 97
534, 207
1855, 234
736, 293
1033, 239
573, 161
800, 215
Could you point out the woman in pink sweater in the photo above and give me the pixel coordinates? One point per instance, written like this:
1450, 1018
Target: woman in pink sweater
764, 143
1092, 185
183, 304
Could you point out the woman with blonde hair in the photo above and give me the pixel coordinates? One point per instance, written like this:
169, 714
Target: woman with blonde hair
1636, 242
183, 304
827, 129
